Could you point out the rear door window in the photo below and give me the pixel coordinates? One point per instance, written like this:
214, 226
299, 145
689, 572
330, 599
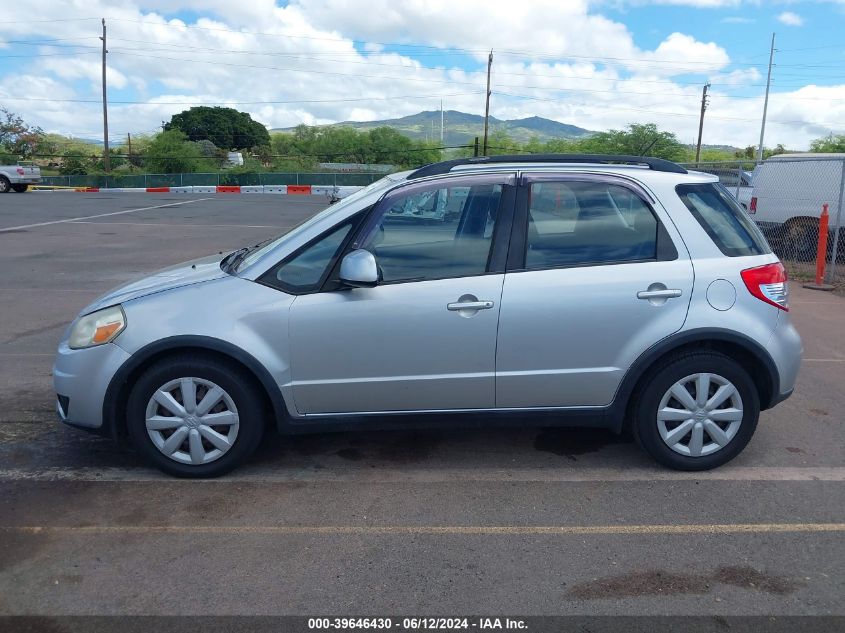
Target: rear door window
718, 213
583, 223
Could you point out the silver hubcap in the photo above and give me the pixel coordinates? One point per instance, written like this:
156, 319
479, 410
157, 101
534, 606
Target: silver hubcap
699, 415
192, 420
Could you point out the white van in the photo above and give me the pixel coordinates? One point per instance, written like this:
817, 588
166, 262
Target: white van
788, 194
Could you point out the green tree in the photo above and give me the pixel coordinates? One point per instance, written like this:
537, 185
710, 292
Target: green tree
140, 145
713, 155
562, 146
307, 146
227, 128
499, 142
287, 155
171, 152
116, 160
829, 144
638, 140
748, 152
73, 165
17, 138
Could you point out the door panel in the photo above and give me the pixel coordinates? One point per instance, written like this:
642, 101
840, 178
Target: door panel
566, 336
425, 337
396, 347
599, 281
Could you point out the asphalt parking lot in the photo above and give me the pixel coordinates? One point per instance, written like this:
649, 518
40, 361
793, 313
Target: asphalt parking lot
448, 522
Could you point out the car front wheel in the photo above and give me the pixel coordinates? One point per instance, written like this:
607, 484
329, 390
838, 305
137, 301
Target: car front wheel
195, 416
698, 411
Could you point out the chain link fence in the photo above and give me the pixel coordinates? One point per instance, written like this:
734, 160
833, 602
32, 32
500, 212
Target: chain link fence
785, 196
243, 179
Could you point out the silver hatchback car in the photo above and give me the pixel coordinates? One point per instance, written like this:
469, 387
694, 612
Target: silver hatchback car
600, 291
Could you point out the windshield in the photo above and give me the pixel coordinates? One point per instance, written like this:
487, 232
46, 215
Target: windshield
254, 253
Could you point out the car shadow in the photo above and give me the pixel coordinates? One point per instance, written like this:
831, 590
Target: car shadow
62, 448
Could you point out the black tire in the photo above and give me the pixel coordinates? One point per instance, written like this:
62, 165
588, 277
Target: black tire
645, 425
5, 185
238, 384
20, 188
803, 240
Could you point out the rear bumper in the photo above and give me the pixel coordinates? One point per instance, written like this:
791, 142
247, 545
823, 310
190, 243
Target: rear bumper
780, 398
786, 349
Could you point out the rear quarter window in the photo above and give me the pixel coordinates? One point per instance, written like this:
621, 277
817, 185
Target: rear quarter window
730, 228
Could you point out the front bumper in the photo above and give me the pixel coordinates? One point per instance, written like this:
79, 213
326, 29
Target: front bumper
80, 379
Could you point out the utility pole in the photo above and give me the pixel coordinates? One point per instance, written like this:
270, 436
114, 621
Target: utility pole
701, 122
487, 105
106, 158
766, 100
441, 123
129, 142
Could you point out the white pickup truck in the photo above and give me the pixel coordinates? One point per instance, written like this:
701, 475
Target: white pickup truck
18, 177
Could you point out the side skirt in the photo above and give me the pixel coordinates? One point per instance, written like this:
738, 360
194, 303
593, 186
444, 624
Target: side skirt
592, 417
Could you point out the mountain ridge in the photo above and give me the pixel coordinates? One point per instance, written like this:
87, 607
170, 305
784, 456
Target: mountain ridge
461, 128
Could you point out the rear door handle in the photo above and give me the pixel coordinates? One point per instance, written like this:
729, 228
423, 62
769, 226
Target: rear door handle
469, 305
669, 293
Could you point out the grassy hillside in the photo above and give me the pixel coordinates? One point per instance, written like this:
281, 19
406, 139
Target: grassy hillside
461, 128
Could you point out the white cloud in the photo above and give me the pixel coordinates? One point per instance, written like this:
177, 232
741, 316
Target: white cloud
322, 61
734, 19
790, 19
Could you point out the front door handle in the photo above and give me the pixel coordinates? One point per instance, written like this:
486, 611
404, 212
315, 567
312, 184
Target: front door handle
668, 293
469, 305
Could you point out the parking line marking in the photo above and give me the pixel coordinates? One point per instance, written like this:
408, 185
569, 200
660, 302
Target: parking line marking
387, 476
824, 360
100, 215
379, 530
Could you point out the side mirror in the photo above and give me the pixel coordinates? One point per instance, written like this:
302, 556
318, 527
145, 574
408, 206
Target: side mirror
359, 270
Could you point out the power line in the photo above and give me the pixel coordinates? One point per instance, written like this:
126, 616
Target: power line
45, 21
41, 42
532, 54
190, 99
651, 111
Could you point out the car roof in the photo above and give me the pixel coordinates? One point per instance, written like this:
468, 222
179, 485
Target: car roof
653, 164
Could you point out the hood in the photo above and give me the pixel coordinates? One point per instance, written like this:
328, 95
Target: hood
185, 274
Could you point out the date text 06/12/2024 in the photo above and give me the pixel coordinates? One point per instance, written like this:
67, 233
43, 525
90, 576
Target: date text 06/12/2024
413, 624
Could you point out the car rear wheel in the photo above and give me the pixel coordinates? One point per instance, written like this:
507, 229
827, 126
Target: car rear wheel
802, 240
698, 411
5, 185
195, 416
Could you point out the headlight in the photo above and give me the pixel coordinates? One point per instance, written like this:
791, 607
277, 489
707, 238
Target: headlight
97, 328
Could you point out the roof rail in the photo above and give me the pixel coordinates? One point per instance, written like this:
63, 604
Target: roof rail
444, 167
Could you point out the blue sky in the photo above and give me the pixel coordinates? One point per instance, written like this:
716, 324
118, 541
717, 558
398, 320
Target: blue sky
597, 64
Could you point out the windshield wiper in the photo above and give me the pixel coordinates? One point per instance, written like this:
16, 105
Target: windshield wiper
230, 262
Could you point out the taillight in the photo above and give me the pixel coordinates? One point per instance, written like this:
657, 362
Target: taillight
768, 283
753, 206
20, 171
